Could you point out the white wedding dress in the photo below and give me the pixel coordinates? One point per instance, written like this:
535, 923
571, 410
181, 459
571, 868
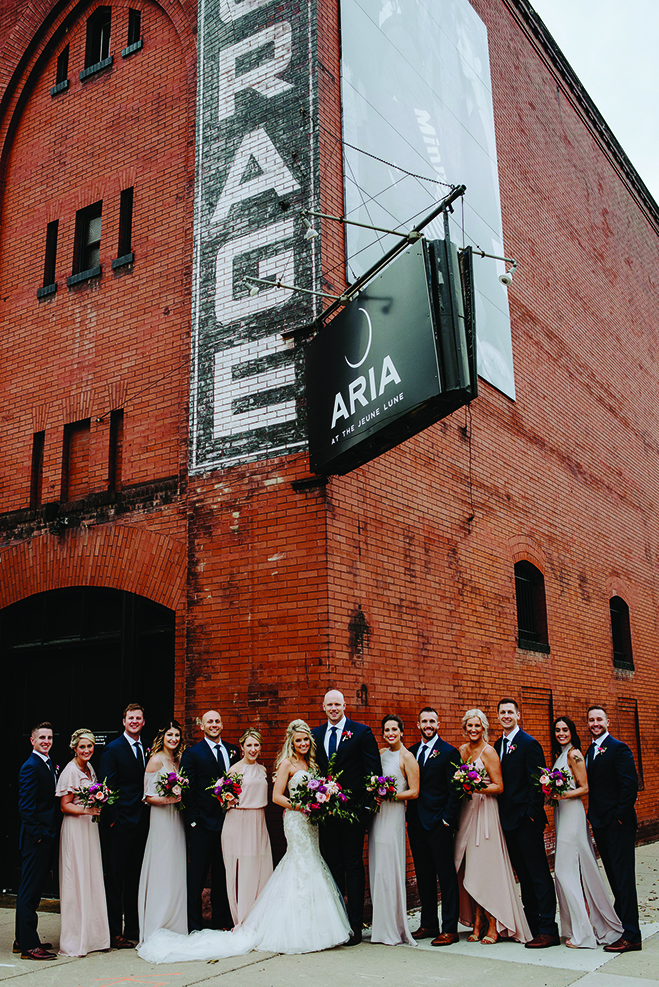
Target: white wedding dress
300, 910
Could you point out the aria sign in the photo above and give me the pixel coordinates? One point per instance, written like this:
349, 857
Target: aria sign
395, 360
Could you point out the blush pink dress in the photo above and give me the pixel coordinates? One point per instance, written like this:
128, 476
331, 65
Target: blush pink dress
84, 915
485, 874
246, 844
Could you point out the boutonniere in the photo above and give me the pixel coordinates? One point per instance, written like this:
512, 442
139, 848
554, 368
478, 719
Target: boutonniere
513, 747
433, 753
598, 751
57, 769
346, 735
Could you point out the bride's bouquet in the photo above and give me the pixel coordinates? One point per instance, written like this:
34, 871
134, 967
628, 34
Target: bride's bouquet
171, 785
320, 799
552, 782
382, 787
468, 779
98, 793
227, 790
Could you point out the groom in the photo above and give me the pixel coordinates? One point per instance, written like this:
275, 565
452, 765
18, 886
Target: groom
203, 764
342, 843
523, 819
612, 790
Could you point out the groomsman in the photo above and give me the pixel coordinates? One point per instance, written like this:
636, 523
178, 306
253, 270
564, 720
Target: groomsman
203, 764
341, 842
431, 822
39, 812
125, 827
612, 791
523, 819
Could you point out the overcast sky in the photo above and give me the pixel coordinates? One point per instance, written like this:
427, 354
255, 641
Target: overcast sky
612, 47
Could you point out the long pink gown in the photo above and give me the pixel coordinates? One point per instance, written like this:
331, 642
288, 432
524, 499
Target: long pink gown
246, 844
84, 916
485, 874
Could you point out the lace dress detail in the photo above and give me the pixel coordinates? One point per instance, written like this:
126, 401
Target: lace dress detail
300, 910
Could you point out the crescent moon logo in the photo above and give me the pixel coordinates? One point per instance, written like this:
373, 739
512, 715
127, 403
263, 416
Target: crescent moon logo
370, 340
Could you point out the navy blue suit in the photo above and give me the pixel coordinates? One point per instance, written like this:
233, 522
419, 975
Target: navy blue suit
205, 820
523, 820
124, 831
39, 812
431, 822
342, 843
612, 791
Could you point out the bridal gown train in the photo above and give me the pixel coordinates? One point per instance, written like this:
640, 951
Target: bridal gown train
300, 910
587, 915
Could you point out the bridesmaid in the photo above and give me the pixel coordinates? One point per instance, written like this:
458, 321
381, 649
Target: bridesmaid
488, 895
386, 841
84, 917
162, 895
245, 840
587, 915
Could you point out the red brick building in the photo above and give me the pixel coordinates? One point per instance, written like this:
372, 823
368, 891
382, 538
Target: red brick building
137, 562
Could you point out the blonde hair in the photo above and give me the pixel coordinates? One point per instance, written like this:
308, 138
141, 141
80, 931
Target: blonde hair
470, 714
288, 750
77, 736
251, 732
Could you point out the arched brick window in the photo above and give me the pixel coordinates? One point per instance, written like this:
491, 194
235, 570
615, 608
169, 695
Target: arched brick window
531, 608
621, 636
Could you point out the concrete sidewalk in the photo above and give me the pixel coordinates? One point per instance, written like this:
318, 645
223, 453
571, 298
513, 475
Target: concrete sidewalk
506, 964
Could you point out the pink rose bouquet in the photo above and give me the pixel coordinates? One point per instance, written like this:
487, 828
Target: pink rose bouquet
320, 799
172, 785
468, 779
96, 794
552, 782
227, 790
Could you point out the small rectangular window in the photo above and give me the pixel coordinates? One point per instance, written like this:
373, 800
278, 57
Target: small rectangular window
50, 257
98, 36
134, 26
116, 449
36, 471
75, 461
125, 222
87, 250
62, 66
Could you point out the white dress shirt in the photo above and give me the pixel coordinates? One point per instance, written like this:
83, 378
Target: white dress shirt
224, 754
340, 727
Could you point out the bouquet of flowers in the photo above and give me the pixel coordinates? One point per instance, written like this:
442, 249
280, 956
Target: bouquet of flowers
171, 785
553, 782
382, 787
98, 793
469, 779
227, 790
320, 799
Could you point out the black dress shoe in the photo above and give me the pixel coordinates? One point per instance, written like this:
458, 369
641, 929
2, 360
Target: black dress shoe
119, 942
623, 945
39, 953
17, 949
353, 941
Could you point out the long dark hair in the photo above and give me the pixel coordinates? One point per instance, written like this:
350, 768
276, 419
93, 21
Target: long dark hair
158, 743
574, 736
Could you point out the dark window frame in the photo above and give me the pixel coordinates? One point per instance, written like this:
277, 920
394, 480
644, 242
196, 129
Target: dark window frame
115, 452
49, 286
36, 469
86, 251
125, 254
99, 32
532, 629
621, 635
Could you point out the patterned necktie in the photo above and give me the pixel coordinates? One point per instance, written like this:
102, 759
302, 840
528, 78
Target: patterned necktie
332, 741
422, 755
138, 754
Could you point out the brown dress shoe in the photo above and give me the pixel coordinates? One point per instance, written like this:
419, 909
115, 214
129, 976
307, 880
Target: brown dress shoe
38, 953
422, 933
542, 941
623, 946
118, 942
446, 939
17, 949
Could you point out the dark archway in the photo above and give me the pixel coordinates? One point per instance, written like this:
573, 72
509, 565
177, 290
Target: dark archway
77, 657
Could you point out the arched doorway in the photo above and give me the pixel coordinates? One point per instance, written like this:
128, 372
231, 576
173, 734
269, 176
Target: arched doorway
77, 657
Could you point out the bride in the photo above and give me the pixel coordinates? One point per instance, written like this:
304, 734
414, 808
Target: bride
300, 910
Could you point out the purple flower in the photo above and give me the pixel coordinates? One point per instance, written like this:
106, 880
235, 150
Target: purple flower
313, 784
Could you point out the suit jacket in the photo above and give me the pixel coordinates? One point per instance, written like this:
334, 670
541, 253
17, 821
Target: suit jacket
202, 769
37, 805
612, 783
357, 756
123, 771
438, 802
521, 797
